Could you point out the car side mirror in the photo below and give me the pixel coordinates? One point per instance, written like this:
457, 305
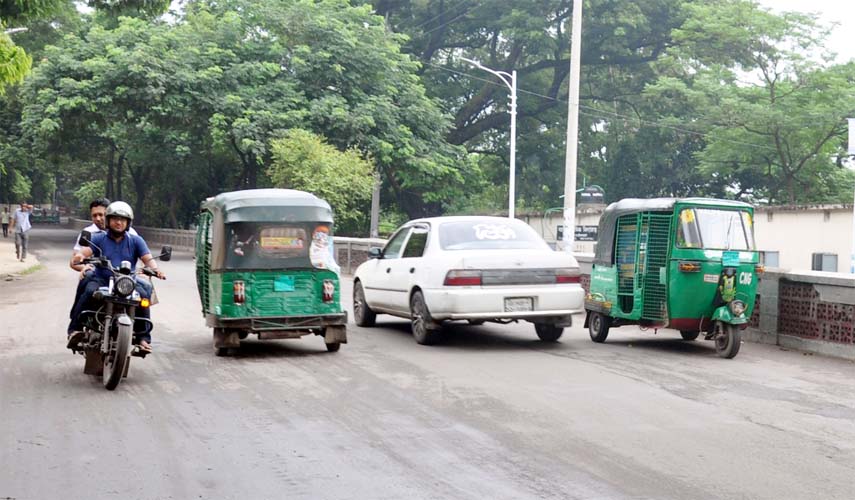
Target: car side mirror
85, 238
375, 253
166, 253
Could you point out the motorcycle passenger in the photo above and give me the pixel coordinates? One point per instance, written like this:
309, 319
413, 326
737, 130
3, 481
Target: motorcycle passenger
117, 244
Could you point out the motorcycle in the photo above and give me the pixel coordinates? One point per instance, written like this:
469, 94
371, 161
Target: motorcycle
108, 329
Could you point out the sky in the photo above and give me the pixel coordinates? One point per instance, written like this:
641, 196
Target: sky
842, 38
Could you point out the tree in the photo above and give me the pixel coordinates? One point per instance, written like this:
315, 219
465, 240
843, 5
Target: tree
774, 109
303, 160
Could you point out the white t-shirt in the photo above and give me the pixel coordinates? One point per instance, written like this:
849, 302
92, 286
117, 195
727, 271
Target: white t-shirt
22, 221
93, 229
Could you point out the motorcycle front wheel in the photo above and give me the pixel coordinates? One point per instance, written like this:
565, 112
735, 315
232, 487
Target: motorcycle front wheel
116, 358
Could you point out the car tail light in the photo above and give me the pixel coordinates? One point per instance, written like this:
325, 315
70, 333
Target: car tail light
328, 291
567, 275
460, 277
239, 292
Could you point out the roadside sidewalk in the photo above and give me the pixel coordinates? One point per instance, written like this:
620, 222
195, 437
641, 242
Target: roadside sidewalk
9, 265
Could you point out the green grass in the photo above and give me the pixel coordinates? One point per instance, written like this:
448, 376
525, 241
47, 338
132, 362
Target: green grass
33, 269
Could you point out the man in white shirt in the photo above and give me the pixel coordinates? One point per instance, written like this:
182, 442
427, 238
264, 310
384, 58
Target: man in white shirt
21, 227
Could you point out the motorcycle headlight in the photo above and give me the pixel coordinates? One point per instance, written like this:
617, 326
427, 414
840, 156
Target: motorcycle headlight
737, 307
125, 286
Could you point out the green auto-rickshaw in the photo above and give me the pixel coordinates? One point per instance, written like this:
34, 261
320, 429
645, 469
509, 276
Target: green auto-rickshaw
688, 264
265, 265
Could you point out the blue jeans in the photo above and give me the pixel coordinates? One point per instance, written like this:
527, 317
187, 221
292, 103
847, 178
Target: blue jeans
90, 285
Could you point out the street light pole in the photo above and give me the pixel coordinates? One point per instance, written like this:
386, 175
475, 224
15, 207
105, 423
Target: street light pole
572, 130
509, 79
12, 31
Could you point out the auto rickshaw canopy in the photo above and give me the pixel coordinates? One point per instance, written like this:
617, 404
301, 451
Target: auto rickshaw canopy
628, 206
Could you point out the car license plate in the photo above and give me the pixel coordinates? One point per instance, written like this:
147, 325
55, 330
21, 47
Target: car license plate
519, 304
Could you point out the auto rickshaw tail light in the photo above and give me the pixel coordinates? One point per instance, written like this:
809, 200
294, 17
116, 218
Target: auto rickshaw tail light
328, 291
239, 292
689, 267
463, 277
759, 269
567, 275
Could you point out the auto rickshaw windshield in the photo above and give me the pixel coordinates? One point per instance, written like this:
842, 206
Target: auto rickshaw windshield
715, 229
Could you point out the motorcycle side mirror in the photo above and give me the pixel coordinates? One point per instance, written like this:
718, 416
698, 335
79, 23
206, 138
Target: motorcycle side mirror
375, 253
85, 238
166, 253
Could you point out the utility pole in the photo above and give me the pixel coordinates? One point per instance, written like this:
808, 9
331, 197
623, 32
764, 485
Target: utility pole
851, 151
509, 79
374, 231
572, 130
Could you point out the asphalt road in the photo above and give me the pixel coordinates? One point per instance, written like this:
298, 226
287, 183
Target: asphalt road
492, 413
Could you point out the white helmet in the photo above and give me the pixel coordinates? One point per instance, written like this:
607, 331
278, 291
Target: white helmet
120, 209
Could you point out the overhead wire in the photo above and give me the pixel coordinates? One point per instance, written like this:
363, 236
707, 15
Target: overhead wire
600, 113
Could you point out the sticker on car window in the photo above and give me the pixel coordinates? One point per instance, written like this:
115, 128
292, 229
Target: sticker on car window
494, 232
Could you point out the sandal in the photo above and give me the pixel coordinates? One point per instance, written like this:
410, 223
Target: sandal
145, 347
74, 338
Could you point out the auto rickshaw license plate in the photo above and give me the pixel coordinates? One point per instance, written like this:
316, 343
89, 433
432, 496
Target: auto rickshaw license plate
518, 304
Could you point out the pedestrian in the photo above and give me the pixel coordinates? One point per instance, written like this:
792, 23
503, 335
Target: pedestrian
5, 220
21, 227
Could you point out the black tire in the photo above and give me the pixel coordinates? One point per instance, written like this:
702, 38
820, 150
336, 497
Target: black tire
548, 332
222, 351
425, 330
334, 347
689, 335
728, 340
362, 314
117, 357
598, 326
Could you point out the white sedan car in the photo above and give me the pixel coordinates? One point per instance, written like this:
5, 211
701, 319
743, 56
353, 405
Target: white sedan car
468, 268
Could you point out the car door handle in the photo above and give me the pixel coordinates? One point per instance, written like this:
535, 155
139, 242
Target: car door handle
412, 270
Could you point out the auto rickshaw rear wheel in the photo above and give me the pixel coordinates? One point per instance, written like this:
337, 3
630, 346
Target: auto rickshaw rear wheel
548, 332
598, 326
689, 335
728, 339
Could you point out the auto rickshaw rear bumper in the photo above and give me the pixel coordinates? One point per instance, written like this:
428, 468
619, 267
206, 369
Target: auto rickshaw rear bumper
270, 323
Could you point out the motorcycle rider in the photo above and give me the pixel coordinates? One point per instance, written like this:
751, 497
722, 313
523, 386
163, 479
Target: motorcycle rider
117, 244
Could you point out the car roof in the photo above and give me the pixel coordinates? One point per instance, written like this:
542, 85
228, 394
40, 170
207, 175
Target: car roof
462, 218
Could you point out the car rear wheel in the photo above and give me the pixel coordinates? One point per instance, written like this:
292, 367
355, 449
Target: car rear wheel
548, 332
425, 330
362, 314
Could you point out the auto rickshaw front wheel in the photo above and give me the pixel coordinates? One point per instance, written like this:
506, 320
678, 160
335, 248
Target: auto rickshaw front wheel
727, 339
598, 326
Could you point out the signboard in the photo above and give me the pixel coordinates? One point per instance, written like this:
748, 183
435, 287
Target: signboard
583, 233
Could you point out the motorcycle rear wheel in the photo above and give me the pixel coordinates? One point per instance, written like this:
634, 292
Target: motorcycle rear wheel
116, 359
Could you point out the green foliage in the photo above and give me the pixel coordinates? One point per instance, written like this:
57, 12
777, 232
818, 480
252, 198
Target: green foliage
14, 62
303, 160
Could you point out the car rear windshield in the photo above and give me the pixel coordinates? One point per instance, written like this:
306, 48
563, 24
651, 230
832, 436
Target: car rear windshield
489, 234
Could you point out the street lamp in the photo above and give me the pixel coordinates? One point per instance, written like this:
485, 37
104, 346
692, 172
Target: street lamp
12, 31
509, 79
